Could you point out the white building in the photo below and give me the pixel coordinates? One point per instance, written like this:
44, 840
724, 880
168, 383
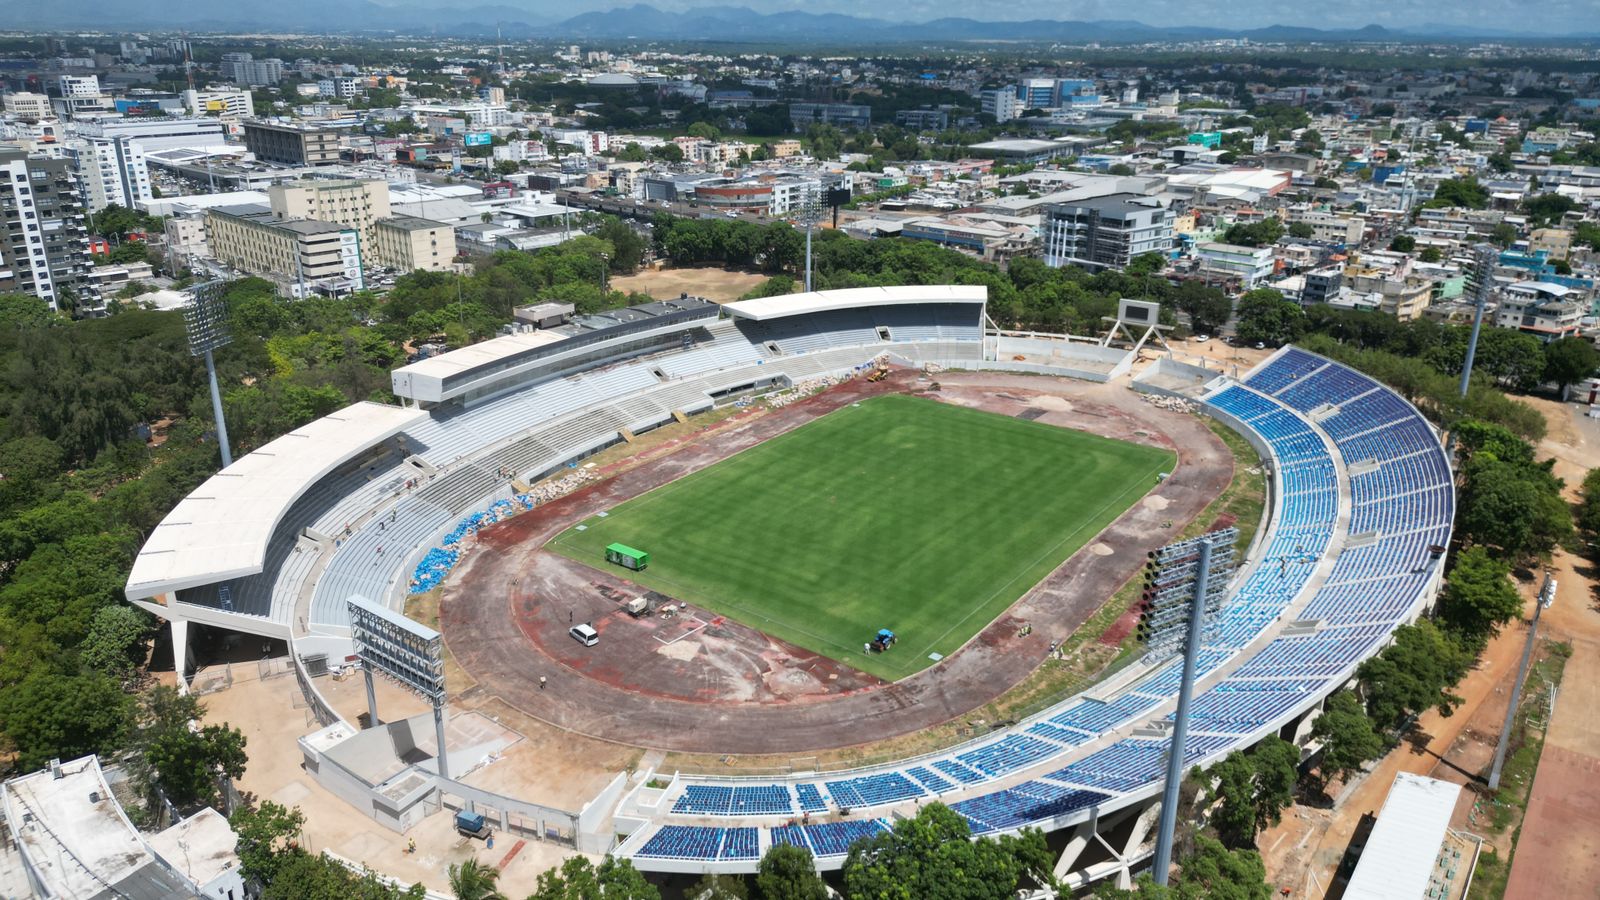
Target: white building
25, 105
164, 133
242, 68
790, 195
80, 94
219, 102
1002, 103
112, 171
1248, 266
341, 86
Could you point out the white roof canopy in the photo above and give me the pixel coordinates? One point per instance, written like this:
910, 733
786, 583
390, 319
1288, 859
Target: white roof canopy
853, 298
221, 530
1403, 849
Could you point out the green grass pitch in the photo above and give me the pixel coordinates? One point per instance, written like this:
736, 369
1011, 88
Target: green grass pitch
898, 512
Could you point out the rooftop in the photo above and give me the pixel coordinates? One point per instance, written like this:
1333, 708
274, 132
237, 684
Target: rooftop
820, 301
1401, 853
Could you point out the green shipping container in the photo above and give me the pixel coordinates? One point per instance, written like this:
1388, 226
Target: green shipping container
627, 557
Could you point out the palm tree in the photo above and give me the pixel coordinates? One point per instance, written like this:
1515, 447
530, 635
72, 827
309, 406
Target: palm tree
472, 880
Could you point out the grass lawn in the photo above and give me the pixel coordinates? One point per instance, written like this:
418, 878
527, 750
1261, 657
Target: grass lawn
898, 512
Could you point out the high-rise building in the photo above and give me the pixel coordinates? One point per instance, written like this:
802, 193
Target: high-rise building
1002, 103
111, 170
243, 69
292, 144
357, 204
46, 249
80, 94
1037, 93
1106, 232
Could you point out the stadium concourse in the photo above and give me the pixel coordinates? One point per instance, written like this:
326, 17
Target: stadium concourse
371, 501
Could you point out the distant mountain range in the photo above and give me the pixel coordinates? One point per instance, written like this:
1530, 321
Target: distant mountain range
640, 22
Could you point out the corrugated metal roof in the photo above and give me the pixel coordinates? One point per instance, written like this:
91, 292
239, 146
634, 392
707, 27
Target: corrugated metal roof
1402, 851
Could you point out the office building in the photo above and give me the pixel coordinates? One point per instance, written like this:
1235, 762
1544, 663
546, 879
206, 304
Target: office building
923, 119
292, 144
301, 257
842, 115
112, 171
1037, 93
1002, 103
158, 132
45, 251
1232, 264
77, 94
219, 102
243, 69
407, 243
356, 204
1106, 232
30, 107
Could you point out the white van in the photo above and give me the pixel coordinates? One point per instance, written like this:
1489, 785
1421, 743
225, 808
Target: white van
584, 635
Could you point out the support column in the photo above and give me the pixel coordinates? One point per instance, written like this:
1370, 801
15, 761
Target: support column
181, 660
1076, 844
372, 698
438, 730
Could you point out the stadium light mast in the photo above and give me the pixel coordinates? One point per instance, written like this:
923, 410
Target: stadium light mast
1547, 596
1484, 258
808, 212
205, 320
1185, 585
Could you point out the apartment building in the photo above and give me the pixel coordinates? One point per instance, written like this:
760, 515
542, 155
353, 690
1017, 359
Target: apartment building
407, 243
244, 69
301, 257
292, 144
186, 239
219, 102
1106, 232
1246, 267
112, 171
355, 204
1547, 311
1037, 93
45, 251
342, 87
1333, 229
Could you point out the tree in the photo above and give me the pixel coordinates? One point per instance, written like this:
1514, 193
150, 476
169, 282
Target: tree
1430, 255
1277, 765
1403, 243
1503, 235
1208, 308
116, 638
1545, 209
1254, 234
1568, 361
1145, 264
1211, 872
578, 879
185, 763
53, 717
24, 311
1412, 674
1231, 798
472, 880
1119, 169
1465, 192
668, 152
788, 872
718, 887
1347, 737
506, 167
1479, 596
1589, 505
1301, 230
631, 153
627, 246
265, 832
934, 855
1264, 316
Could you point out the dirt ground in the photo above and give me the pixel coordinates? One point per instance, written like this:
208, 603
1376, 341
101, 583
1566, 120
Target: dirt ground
721, 285
706, 686
1558, 852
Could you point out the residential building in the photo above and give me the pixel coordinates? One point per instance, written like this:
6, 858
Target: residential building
243, 69
790, 195
1002, 103
1246, 267
219, 102
923, 119
186, 239
31, 107
45, 251
112, 171
784, 148
343, 87
292, 144
1322, 285
1333, 229
843, 115
302, 257
1106, 232
407, 243
72, 838
357, 204
1547, 311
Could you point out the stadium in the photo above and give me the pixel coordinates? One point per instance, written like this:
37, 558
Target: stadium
917, 474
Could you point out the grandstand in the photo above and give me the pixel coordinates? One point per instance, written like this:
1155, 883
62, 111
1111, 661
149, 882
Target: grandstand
373, 501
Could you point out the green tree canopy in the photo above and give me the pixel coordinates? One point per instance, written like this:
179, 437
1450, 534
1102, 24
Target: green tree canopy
1347, 737
1264, 316
934, 855
788, 872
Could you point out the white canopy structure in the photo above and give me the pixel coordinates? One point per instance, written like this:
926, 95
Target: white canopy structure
221, 530
855, 298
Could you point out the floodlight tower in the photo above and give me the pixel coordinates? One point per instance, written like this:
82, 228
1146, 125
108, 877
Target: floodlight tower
1185, 586
809, 210
1547, 596
1484, 259
205, 319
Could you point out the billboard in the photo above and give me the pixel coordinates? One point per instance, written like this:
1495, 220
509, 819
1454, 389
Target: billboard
478, 138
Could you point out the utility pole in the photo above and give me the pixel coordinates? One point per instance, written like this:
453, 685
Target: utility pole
1547, 595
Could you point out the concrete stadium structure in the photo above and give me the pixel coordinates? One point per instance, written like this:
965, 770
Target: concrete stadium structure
360, 503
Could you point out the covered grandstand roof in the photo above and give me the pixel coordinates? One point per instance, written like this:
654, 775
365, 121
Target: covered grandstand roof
221, 530
1402, 851
855, 298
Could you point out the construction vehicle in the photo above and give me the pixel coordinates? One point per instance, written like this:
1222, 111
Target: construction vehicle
878, 374
884, 640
